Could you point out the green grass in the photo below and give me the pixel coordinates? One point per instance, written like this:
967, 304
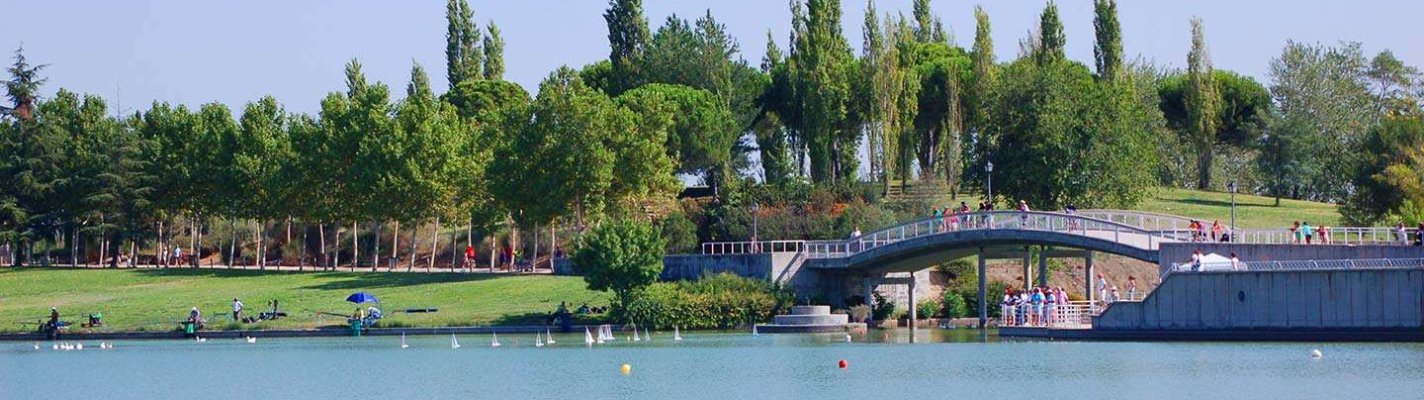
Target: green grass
154, 300
1252, 212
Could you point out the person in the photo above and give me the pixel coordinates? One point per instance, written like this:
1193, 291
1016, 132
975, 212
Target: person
470, 257
1419, 235
236, 309
1051, 306
1295, 233
963, 208
1071, 210
1235, 263
1113, 298
1023, 219
1307, 231
1216, 230
1196, 260
855, 233
938, 219
177, 255
194, 316
1323, 232
1036, 307
1131, 288
954, 220
1400, 234
54, 316
1102, 288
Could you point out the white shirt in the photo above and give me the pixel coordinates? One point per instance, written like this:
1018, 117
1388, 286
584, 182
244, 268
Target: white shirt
855, 234
236, 306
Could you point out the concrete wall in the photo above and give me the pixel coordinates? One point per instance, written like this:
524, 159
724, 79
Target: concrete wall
1277, 300
785, 268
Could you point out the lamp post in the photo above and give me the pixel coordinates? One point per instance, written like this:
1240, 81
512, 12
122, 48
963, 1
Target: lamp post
755, 208
1232, 187
989, 182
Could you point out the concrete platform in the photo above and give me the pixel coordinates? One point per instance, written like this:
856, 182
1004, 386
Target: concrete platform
1252, 335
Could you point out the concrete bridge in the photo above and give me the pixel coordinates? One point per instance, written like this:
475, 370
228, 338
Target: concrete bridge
893, 255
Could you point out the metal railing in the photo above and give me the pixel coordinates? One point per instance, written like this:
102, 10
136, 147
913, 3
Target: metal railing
1302, 265
1073, 315
993, 220
754, 247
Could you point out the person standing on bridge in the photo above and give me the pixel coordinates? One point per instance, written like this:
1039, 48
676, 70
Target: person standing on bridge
1307, 231
1296, 235
1102, 288
1216, 230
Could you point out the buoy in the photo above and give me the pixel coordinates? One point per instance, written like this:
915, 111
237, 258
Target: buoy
843, 364
626, 369
1316, 353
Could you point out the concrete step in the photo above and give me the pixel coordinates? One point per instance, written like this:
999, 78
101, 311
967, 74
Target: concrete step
834, 319
810, 310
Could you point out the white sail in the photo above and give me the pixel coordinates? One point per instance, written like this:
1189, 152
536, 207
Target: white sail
403, 344
676, 335
548, 336
495, 341
454, 343
648, 333
636, 338
538, 339
754, 331
587, 336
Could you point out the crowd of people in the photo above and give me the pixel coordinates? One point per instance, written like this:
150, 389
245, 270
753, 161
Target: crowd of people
1401, 235
1040, 306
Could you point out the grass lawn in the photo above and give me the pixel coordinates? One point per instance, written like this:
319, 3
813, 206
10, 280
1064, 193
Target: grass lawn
154, 300
1252, 212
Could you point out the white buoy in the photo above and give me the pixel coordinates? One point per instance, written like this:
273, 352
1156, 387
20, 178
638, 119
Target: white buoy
548, 336
1316, 353
676, 335
454, 343
251, 339
403, 344
587, 337
495, 342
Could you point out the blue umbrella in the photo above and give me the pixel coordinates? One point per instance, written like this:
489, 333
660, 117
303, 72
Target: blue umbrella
362, 297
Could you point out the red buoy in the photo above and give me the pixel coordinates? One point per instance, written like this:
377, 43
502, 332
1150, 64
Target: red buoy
844, 364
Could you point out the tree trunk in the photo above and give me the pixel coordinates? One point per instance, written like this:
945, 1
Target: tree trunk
355, 245
1204, 167
376, 243
434, 243
195, 238
302, 254
336, 243
261, 254
494, 248
232, 250
414, 237
534, 256
133, 253
321, 236
454, 247
553, 245
395, 246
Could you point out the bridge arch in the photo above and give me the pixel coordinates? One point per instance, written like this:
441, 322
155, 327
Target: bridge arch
917, 253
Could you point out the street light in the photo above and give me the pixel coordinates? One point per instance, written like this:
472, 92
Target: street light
1232, 187
989, 182
755, 208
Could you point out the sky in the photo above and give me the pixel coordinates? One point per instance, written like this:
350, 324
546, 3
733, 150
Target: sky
134, 52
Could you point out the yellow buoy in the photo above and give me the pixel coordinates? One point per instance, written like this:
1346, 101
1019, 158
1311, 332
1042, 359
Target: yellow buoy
626, 369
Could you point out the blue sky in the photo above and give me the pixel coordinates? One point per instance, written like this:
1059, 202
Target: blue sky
193, 52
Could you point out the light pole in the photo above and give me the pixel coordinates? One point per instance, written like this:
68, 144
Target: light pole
989, 182
755, 208
1232, 187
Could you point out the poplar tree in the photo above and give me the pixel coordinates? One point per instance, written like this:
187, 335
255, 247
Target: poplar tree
1050, 37
981, 92
494, 53
1107, 51
1202, 104
463, 57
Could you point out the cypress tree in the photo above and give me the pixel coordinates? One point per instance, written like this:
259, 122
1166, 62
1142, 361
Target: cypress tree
627, 39
494, 54
1202, 102
1050, 36
1107, 52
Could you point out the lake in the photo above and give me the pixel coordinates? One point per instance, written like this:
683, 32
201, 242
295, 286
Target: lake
722, 365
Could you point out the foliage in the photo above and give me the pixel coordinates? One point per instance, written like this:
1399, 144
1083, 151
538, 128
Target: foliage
621, 256
954, 305
1107, 50
721, 301
1202, 104
927, 308
859, 313
882, 308
1388, 177
680, 232
1322, 91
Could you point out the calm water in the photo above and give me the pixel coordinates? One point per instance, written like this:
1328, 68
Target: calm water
711, 366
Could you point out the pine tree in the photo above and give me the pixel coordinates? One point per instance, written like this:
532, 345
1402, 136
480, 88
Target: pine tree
1107, 52
494, 53
23, 87
1202, 103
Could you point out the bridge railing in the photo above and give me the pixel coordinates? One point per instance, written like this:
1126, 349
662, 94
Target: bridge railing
1073, 315
1301, 265
754, 247
993, 220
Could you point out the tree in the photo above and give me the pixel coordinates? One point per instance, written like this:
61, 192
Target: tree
1382, 184
627, 39
700, 135
622, 256
262, 150
979, 97
1107, 50
820, 65
23, 87
494, 53
463, 58
484, 101
1202, 103
770, 130
1051, 40
1325, 87
1394, 84
1283, 151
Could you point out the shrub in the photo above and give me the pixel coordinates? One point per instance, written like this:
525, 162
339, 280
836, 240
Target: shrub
968, 292
622, 256
927, 308
680, 233
859, 313
954, 305
883, 308
715, 302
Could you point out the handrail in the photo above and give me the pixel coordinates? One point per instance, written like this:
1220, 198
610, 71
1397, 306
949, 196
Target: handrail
1305, 265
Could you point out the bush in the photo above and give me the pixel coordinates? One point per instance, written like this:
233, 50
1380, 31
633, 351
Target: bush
715, 302
927, 308
859, 313
954, 305
680, 233
883, 308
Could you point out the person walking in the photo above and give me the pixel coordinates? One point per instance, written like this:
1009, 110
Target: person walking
1307, 231
1296, 235
236, 309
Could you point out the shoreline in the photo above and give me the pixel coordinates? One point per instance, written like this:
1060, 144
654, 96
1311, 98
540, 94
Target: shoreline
290, 333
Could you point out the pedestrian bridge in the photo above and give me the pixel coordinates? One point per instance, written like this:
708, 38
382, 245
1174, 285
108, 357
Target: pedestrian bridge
914, 245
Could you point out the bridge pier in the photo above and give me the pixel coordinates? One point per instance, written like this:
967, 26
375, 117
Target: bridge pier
1042, 265
1088, 276
1027, 265
983, 289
